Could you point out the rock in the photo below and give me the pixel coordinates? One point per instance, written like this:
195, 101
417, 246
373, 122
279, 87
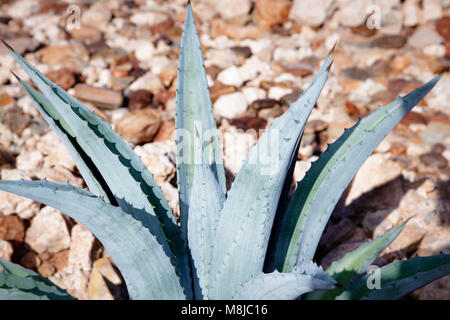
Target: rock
377, 170
352, 13
264, 103
73, 56
87, 34
48, 232
16, 120
436, 132
235, 9
220, 89
443, 28
253, 93
431, 9
434, 160
151, 18
290, 98
437, 290
103, 98
103, 277
356, 73
74, 280
413, 118
231, 76
63, 77
363, 31
29, 160
310, 13
315, 125
168, 75
6, 250
46, 269
424, 37
139, 99
96, 16
139, 126
335, 234
351, 109
10, 203
236, 145
411, 13
243, 52
268, 13
246, 123
20, 45
230, 105
222, 58
389, 42
299, 69
278, 92
149, 81
6, 99
30, 260
156, 157
82, 248
166, 131
11, 228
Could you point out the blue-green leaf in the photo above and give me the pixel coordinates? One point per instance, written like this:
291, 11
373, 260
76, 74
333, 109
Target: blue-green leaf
137, 246
18, 283
399, 278
285, 286
84, 164
317, 194
194, 110
205, 205
356, 262
247, 217
123, 171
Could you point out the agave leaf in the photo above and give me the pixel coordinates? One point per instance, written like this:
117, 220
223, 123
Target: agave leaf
138, 247
17, 283
285, 286
356, 262
317, 194
194, 110
90, 174
246, 219
123, 171
205, 205
399, 278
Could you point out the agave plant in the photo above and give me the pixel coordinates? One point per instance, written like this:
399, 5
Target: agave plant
251, 242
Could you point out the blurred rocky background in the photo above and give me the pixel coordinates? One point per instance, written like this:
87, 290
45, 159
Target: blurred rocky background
120, 58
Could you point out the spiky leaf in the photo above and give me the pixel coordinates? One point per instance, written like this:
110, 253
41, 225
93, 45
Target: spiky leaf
317, 194
247, 217
138, 248
285, 286
18, 283
194, 110
399, 278
132, 185
356, 262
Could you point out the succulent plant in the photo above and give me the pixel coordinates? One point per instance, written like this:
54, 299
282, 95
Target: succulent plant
250, 242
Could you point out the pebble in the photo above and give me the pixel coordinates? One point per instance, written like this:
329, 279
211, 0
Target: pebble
310, 13
139, 99
48, 232
11, 228
231, 76
139, 126
6, 250
268, 13
424, 37
434, 160
230, 105
389, 42
63, 77
220, 89
101, 97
